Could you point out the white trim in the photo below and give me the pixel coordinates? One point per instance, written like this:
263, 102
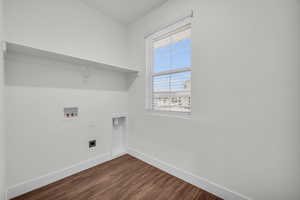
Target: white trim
171, 28
183, 18
170, 114
149, 58
41, 181
148, 75
202, 183
119, 155
173, 71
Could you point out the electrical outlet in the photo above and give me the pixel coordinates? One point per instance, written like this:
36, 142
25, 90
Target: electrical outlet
92, 144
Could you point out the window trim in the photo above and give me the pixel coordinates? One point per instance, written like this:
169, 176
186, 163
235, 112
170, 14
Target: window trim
149, 67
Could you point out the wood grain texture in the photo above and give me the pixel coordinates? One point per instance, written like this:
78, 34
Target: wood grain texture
124, 178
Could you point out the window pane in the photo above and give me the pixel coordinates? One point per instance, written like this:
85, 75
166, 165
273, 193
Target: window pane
172, 51
172, 92
180, 81
161, 83
179, 102
181, 54
162, 59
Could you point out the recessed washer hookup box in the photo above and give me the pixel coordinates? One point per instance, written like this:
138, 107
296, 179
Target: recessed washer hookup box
71, 112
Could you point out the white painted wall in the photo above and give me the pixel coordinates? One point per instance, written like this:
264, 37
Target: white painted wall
40, 140
2, 132
23, 69
69, 27
244, 129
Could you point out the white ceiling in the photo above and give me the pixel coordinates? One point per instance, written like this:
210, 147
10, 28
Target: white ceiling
125, 11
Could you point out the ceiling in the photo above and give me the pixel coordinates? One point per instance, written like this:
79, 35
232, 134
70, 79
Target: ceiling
125, 11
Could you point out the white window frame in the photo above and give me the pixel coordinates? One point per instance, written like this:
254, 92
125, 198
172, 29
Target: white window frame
149, 66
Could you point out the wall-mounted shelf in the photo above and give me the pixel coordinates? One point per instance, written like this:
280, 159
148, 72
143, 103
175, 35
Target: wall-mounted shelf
27, 50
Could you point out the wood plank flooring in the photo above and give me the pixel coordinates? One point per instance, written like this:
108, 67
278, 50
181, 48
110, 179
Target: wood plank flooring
124, 178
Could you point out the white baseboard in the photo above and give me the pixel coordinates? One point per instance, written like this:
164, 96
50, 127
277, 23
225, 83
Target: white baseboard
41, 181
202, 183
119, 155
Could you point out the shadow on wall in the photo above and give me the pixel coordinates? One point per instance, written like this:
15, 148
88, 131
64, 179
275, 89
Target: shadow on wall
28, 70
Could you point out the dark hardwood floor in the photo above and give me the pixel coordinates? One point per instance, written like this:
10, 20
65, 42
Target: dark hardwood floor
124, 178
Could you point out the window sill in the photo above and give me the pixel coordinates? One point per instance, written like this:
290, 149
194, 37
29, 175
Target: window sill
170, 114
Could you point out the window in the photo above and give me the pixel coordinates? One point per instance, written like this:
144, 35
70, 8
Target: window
169, 69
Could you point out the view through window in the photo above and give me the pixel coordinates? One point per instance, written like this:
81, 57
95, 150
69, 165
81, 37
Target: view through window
171, 71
